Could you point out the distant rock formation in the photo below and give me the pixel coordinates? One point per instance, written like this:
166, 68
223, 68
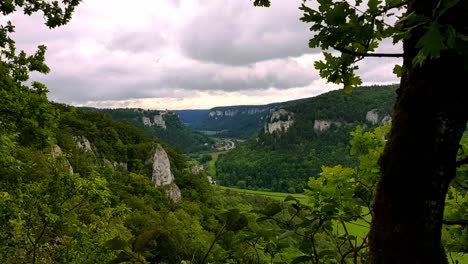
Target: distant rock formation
120, 165
324, 125
211, 180
83, 143
56, 153
195, 168
234, 112
146, 121
372, 116
386, 120
162, 175
158, 120
280, 120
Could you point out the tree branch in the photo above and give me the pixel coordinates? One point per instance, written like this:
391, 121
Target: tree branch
365, 54
462, 222
388, 8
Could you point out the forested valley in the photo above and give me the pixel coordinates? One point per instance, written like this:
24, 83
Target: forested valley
79, 188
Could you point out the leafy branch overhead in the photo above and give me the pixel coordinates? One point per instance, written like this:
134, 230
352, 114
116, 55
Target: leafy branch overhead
55, 14
355, 29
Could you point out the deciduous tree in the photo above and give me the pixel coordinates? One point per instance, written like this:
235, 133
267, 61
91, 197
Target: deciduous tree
430, 114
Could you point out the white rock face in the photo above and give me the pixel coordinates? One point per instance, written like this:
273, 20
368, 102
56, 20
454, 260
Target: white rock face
233, 112
253, 111
281, 126
195, 169
215, 113
146, 121
172, 191
386, 120
83, 143
280, 120
324, 125
122, 165
162, 175
57, 153
159, 121
372, 116
210, 180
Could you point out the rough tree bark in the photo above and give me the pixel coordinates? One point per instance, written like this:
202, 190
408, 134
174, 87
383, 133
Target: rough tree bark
419, 161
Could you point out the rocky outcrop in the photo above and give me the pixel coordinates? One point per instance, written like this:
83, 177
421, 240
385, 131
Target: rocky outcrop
324, 125
57, 153
215, 113
233, 112
162, 175
120, 165
195, 168
158, 120
386, 120
146, 121
372, 116
280, 120
210, 180
83, 143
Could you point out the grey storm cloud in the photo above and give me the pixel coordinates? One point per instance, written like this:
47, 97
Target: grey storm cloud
280, 73
176, 48
124, 83
235, 33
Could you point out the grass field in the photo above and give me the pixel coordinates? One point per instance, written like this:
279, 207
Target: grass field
358, 228
211, 170
274, 195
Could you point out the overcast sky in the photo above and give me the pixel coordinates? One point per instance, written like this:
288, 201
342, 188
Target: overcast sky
182, 54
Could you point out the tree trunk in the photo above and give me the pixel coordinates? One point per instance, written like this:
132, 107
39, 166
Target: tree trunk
419, 160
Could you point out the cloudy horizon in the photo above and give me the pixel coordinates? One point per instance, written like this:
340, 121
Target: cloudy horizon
182, 54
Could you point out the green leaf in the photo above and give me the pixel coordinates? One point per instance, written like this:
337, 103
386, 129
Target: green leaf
286, 234
116, 243
272, 209
264, 3
301, 259
337, 15
263, 218
430, 44
326, 252
373, 5
397, 70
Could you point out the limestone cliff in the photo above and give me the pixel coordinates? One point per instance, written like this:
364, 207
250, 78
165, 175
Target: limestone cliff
386, 120
83, 143
162, 175
373, 117
158, 120
280, 120
56, 153
324, 125
233, 112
